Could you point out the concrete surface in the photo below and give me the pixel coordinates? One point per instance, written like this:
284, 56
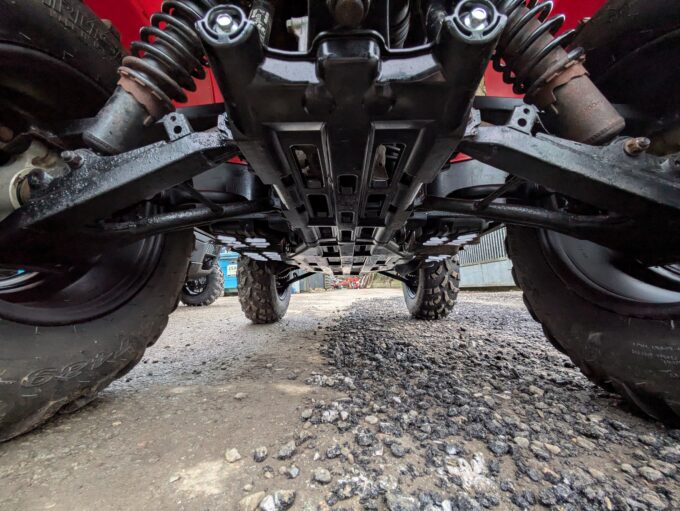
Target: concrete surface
383, 412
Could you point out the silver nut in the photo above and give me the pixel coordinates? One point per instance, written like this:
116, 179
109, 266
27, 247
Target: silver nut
226, 23
476, 19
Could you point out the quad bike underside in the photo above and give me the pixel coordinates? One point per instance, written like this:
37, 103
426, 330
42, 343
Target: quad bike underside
352, 139
348, 127
348, 142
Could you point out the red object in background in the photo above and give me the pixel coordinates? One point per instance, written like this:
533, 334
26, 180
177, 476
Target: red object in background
347, 283
128, 16
575, 11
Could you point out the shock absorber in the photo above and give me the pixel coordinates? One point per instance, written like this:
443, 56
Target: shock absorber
537, 64
400, 22
163, 64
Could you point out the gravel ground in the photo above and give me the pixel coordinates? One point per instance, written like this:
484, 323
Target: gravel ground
349, 404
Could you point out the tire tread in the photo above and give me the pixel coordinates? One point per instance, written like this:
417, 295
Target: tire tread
441, 285
257, 293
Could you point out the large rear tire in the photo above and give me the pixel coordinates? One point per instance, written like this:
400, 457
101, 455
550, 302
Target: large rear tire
616, 319
64, 337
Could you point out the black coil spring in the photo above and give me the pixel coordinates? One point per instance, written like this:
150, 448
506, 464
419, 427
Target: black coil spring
170, 54
400, 23
517, 66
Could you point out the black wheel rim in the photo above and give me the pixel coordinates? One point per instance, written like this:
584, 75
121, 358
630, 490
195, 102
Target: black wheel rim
613, 280
282, 284
80, 294
412, 287
196, 287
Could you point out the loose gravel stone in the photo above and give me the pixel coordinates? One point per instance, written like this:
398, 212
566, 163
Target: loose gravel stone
397, 450
552, 449
251, 502
260, 454
322, 476
498, 447
279, 501
667, 469
521, 442
654, 501
287, 451
232, 455
628, 469
401, 503
524, 499
670, 454
333, 452
533, 389
584, 443
330, 416
650, 474
293, 472
365, 438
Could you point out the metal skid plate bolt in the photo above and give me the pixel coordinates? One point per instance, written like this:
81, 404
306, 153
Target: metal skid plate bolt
224, 23
479, 20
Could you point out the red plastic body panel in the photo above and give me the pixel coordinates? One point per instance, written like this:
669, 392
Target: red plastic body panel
128, 16
575, 11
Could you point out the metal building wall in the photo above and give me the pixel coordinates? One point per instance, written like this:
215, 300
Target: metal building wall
316, 281
486, 264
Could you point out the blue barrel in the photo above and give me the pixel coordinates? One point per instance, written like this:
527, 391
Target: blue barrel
228, 263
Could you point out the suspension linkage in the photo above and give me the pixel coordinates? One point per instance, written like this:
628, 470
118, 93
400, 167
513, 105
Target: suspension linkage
394, 276
180, 220
603, 176
298, 278
102, 186
580, 226
511, 185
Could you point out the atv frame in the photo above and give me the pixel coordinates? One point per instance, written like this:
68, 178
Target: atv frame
640, 191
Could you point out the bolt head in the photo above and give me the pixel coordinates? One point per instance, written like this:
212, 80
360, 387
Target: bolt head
38, 179
72, 159
636, 146
476, 19
226, 23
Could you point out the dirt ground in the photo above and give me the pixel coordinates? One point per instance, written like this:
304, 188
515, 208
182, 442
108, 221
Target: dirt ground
357, 407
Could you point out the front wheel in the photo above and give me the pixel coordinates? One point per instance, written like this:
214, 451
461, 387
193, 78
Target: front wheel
614, 316
262, 290
615, 320
433, 290
60, 347
65, 335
